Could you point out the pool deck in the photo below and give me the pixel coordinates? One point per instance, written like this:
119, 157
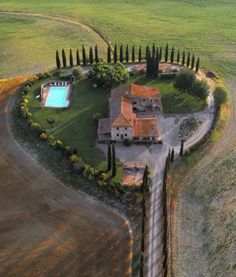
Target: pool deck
45, 91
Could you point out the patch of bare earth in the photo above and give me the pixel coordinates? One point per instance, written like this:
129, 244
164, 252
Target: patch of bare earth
47, 229
203, 241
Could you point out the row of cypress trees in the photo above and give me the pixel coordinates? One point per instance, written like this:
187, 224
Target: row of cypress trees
152, 58
84, 60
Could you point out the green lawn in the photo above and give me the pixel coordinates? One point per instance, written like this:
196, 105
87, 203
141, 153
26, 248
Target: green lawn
173, 101
75, 125
205, 27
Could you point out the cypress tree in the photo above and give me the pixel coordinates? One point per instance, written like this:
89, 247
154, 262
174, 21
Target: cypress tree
127, 54
197, 65
109, 157
77, 57
160, 54
188, 60
91, 55
147, 52
84, 55
113, 161
148, 64
115, 54
121, 54
109, 54
181, 152
96, 54
58, 62
172, 158
63, 58
152, 65
183, 58
178, 57
153, 50
140, 54
71, 58
167, 53
172, 55
156, 65
193, 62
145, 180
133, 54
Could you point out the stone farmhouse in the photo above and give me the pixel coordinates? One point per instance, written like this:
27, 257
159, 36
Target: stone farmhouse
131, 115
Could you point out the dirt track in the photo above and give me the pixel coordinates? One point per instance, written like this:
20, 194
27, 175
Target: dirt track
46, 229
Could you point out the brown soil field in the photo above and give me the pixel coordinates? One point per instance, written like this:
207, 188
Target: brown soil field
47, 229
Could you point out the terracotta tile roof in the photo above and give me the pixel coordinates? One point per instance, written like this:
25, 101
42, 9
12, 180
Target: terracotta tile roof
146, 127
126, 116
165, 66
143, 91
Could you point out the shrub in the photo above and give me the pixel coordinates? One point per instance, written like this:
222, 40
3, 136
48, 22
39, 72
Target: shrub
185, 80
52, 140
44, 136
168, 76
51, 120
77, 72
127, 142
221, 95
200, 89
105, 75
74, 158
97, 116
35, 126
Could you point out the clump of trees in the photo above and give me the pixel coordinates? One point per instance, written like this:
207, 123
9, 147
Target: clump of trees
220, 95
187, 81
105, 75
77, 72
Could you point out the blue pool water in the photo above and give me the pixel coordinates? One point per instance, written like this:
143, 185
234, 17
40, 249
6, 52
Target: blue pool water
57, 97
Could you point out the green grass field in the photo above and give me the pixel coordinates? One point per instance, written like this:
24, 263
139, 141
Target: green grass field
205, 27
75, 125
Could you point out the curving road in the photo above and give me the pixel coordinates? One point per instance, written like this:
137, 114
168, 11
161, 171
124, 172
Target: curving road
47, 229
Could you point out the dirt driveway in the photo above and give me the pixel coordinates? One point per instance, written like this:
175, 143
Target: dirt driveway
46, 229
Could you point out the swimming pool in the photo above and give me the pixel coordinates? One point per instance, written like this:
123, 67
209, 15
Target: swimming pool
58, 97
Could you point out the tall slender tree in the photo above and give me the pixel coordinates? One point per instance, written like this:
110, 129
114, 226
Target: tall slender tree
121, 54
188, 60
147, 52
172, 55
71, 58
156, 65
63, 58
115, 54
140, 54
109, 54
96, 54
113, 161
153, 50
167, 53
133, 54
127, 53
160, 54
77, 57
197, 65
84, 58
183, 58
145, 180
181, 152
148, 63
193, 62
172, 158
109, 162
178, 57
58, 62
90, 55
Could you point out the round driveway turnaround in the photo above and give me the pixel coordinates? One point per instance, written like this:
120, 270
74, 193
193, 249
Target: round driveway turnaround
47, 229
